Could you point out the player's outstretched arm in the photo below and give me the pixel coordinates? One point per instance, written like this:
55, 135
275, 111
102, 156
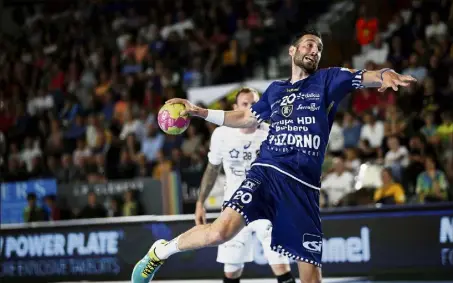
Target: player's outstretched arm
386, 78
233, 119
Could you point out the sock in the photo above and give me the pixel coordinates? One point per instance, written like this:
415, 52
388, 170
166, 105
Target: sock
286, 278
229, 280
164, 251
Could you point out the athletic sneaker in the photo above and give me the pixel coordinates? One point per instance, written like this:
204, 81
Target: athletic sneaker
145, 269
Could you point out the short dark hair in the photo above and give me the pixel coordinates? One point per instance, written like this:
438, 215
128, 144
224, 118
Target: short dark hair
244, 90
299, 36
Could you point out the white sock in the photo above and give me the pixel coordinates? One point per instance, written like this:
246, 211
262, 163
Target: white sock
164, 251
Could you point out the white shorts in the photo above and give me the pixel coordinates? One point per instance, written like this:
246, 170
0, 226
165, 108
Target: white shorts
240, 249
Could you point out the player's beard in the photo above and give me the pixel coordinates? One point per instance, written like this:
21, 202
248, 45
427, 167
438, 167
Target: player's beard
309, 66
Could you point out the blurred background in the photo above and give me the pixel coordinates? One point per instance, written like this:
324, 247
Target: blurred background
81, 83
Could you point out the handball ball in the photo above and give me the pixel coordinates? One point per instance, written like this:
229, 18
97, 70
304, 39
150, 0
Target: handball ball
170, 121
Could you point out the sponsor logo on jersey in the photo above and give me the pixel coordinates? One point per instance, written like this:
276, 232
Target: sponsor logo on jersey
287, 110
300, 141
312, 243
250, 184
234, 153
312, 107
309, 96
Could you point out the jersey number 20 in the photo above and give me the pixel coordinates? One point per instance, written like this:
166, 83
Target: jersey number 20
289, 99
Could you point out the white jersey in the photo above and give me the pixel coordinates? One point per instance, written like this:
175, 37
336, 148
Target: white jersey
236, 151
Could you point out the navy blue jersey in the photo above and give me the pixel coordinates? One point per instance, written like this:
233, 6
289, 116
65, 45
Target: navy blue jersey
301, 116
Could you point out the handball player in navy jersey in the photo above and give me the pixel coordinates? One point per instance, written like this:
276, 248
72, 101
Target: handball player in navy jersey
284, 181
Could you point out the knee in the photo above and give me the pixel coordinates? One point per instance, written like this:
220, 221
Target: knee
233, 271
220, 235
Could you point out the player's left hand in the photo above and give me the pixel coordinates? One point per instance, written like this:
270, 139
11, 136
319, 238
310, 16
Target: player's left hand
393, 79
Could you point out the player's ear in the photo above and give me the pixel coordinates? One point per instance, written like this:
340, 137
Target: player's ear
291, 50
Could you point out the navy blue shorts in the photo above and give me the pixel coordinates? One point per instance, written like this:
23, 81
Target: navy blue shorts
292, 207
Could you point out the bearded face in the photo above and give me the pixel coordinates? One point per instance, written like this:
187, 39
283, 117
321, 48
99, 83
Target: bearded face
307, 62
308, 53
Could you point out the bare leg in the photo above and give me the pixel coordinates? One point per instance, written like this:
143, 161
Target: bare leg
221, 230
309, 273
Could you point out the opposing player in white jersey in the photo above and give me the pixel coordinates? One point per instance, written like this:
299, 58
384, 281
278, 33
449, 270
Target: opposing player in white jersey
235, 149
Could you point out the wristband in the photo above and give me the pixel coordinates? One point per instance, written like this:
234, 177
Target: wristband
216, 117
383, 71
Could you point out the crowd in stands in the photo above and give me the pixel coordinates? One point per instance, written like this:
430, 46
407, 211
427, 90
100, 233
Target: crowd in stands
80, 87
408, 132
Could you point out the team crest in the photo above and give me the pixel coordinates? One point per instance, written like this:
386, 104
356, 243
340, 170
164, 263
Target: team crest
287, 110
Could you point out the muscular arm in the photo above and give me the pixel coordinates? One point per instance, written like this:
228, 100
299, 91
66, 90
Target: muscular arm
236, 118
208, 181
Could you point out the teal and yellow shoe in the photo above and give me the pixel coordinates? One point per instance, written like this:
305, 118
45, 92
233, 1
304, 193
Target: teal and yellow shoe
147, 267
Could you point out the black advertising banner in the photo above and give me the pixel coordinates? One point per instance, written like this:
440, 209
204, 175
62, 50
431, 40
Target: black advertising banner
149, 193
370, 242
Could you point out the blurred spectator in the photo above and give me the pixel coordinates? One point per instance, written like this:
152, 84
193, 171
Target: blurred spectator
132, 126
192, 142
143, 170
29, 152
114, 208
366, 27
372, 131
40, 102
67, 173
336, 138
436, 29
396, 55
429, 130
351, 130
96, 169
93, 209
338, 183
152, 144
397, 158
55, 145
445, 133
162, 167
415, 69
378, 51
432, 184
365, 100
127, 167
352, 161
32, 212
76, 129
391, 192
130, 206
81, 152
15, 171
367, 153
53, 210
